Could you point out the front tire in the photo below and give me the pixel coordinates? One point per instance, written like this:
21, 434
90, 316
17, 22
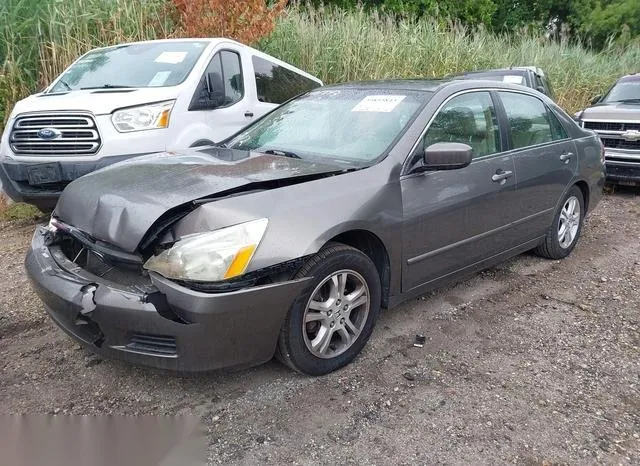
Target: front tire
565, 230
332, 319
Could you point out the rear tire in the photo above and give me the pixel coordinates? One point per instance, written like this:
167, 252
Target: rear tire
565, 230
333, 317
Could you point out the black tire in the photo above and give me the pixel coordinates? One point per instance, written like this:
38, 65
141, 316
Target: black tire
292, 348
551, 247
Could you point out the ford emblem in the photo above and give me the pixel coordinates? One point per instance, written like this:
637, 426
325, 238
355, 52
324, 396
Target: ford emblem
49, 133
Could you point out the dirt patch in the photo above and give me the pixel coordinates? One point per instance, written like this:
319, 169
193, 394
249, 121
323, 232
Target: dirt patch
531, 362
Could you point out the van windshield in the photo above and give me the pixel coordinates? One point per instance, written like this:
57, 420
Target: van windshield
148, 64
350, 125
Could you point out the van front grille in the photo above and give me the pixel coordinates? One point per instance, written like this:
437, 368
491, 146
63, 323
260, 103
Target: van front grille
54, 134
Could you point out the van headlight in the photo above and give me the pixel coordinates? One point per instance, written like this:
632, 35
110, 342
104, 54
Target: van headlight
150, 116
211, 256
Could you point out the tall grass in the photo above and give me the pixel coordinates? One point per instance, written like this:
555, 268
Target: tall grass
39, 38
344, 46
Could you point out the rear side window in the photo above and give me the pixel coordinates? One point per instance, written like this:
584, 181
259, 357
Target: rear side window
529, 120
469, 119
557, 130
276, 84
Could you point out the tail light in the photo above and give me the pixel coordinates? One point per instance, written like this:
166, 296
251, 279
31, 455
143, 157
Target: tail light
601, 151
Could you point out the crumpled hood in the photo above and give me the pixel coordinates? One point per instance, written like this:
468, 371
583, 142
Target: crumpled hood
96, 101
119, 203
613, 111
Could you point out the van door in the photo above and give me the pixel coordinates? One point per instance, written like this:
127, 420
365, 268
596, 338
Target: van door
221, 99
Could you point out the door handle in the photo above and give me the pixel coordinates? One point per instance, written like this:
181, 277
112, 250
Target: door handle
248, 114
501, 176
566, 157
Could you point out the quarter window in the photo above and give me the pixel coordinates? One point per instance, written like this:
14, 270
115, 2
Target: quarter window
530, 122
276, 84
468, 119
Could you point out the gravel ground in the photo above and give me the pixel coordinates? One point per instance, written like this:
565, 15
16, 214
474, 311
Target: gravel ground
531, 362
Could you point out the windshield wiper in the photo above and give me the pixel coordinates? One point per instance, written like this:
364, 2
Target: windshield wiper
65, 84
283, 153
106, 86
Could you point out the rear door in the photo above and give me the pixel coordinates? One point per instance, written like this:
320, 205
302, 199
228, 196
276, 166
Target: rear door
544, 156
454, 219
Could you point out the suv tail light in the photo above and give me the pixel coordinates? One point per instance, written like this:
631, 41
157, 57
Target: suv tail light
601, 151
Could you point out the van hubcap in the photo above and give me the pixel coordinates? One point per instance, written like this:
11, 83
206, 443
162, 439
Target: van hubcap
336, 314
569, 222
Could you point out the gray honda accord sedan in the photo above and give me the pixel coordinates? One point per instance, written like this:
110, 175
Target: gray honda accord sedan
289, 237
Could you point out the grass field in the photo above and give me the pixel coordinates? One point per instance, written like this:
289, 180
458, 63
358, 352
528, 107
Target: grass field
38, 38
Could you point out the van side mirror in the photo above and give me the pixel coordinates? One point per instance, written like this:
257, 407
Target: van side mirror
541, 89
447, 156
596, 99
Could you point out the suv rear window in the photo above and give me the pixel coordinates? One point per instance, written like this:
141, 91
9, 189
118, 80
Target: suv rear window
276, 84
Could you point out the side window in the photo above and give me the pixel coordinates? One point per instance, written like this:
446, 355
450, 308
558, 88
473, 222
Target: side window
276, 84
528, 120
222, 84
469, 119
557, 130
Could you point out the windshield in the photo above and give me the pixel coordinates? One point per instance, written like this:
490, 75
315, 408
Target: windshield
351, 125
624, 91
149, 64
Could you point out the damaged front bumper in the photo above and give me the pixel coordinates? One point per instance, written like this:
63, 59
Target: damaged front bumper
160, 323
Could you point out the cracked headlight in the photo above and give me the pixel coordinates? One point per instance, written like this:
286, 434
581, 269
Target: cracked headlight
150, 116
211, 256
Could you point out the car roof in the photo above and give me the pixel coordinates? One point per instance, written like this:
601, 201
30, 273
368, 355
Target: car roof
630, 77
428, 85
394, 84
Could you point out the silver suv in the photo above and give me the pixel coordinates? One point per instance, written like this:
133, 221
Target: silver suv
616, 118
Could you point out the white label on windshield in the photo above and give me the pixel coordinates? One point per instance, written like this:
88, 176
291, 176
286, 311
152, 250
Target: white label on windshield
512, 79
378, 103
159, 79
171, 57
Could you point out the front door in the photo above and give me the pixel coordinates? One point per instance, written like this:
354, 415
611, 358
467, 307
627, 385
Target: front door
454, 219
234, 108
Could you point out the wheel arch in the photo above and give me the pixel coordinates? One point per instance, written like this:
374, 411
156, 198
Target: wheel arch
584, 188
373, 247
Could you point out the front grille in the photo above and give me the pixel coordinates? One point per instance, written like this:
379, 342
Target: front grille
157, 344
613, 143
76, 134
611, 126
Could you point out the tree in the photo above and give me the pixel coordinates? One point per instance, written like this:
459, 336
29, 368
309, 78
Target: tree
244, 20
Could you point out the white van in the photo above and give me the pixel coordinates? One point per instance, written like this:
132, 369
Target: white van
132, 99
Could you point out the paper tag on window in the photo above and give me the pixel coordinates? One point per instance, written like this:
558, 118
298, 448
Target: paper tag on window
512, 79
159, 79
378, 103
171, 57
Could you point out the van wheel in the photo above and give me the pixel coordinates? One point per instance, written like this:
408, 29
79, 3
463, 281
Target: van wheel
565, 230
332, 319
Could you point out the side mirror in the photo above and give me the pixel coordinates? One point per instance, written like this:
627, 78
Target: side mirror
596, 99
447, 156
541, 89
